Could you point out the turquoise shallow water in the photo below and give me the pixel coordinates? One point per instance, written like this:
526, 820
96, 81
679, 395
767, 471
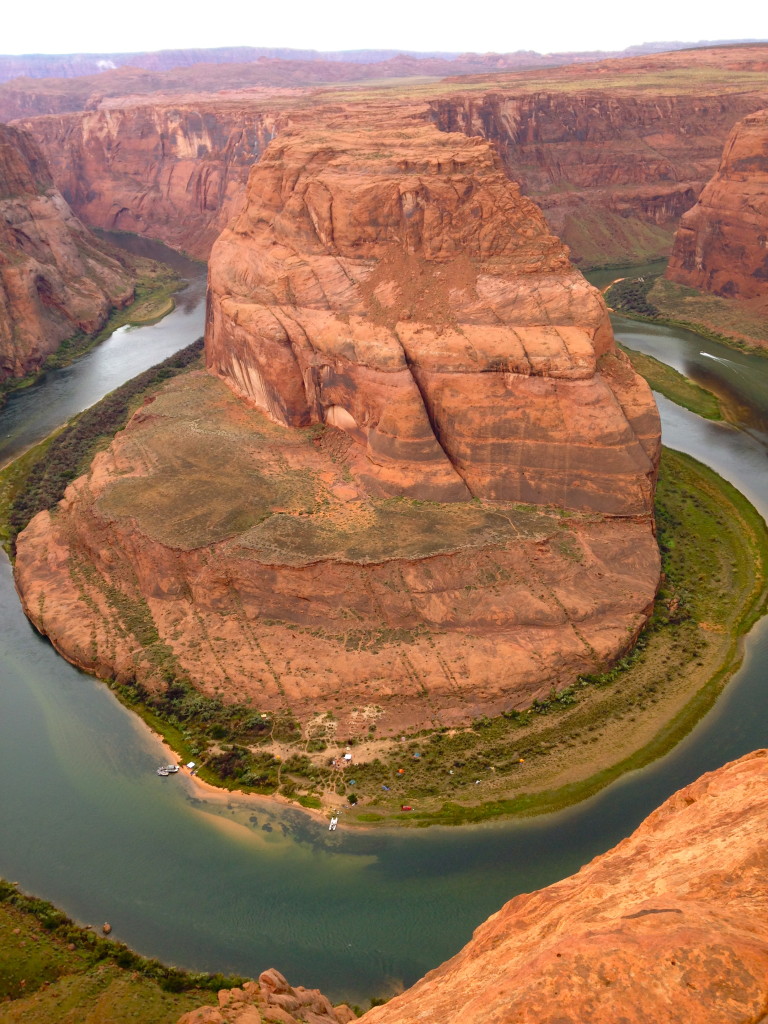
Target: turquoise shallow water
241, 885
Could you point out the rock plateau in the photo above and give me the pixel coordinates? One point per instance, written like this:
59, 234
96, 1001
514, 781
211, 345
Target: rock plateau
613, 151
56, 278
420, 480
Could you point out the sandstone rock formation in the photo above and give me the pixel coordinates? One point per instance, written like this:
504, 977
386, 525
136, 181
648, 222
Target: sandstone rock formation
271, 999
55, 277
612, 170
393, 283
721, 245
408, 336
613, 151
670, 925
169, 172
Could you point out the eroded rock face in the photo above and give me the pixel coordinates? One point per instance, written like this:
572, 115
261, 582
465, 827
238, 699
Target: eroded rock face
612, 171
393, 283
721, 245
172, 172
55, 277
364, 505
670, 925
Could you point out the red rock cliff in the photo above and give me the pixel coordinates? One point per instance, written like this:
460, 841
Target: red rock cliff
670, 925
55, 277
169, 172
611, 169
721, 245
393, 283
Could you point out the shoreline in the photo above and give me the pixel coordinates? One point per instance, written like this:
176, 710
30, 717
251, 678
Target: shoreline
551, 783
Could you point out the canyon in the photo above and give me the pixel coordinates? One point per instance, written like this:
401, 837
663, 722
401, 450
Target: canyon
450, 466
613, 151
56, 277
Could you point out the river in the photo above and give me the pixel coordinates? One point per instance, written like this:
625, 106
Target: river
238, 885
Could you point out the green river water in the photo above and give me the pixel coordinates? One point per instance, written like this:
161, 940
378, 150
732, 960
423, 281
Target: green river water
240, 885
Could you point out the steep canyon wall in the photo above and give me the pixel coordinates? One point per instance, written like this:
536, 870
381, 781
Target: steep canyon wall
612, 171
174, 172
721, 245
56, 278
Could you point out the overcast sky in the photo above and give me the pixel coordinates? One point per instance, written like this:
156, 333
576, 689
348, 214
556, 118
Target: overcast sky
91, 26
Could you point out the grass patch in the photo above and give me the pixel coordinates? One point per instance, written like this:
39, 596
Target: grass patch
52, 969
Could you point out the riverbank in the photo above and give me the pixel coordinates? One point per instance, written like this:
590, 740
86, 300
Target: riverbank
154, 298
555, 754
667, 381
50, 963
652, 299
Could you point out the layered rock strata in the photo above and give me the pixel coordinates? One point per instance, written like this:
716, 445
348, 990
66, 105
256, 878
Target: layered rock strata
56, 278
172, 172
721, 245
613, 172
613, 151
393, 283
211, 543
367, 509
670, 925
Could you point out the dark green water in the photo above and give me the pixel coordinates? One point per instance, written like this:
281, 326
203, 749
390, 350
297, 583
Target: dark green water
239, 886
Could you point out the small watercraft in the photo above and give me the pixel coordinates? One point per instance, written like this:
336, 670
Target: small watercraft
167, 769
163, 771
333, 823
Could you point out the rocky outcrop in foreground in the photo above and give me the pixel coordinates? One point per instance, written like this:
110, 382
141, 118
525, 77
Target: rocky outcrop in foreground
671, 925
721, 245
55, 278
270, 999
422, 485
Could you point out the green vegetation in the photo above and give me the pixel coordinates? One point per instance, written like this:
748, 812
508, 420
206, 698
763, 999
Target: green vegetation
713, 590
731, 321
53, 970
153, 299
630, 295
38, 479
715, 558
673, 385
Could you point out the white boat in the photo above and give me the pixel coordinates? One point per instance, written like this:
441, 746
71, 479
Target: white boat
167, 769
333, 824
163, 771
